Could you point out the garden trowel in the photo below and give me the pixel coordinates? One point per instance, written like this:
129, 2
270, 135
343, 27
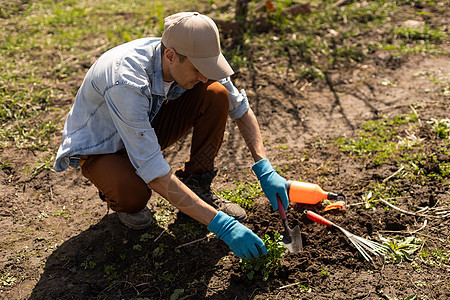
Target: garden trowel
292, 238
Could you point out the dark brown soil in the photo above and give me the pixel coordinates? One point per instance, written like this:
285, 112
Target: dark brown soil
60, 242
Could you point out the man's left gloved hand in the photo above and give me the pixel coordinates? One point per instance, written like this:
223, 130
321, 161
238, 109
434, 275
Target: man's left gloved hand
271, 183
241, 240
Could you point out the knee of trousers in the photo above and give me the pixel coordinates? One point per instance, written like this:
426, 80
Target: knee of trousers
128, 196
219, 97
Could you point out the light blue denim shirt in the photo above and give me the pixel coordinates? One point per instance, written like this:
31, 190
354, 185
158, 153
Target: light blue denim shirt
119, 97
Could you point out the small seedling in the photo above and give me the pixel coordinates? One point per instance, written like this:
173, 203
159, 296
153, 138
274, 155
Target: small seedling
268, 263
111, 273
324, 273
367, 200
88, 264
441, 128
146, 237
176, 295
7, 279
159, 251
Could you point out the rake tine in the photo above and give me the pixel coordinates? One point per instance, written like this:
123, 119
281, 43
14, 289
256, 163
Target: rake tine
380, 249
375, 247
362, 251
357, 245
364, 245
368, 245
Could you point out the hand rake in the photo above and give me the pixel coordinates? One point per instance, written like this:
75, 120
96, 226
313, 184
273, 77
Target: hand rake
362, 245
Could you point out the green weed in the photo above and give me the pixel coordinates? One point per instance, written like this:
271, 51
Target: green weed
438, 257
59, 213
176, 295
137, 247
159, 251
165, 213
441, 128
146, 237
5, 165
402, 248
191, 228
367, 200
379, 139
267, 264
88, 264
7, 279
108, 247
384, 190
305, 288
424, 34
243, 194
111, 273
45, 163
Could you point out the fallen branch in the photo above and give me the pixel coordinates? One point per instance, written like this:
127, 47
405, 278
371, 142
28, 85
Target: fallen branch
157, 238
289, 285
407, 212
423, 226
406, 231
196, 241
393, 174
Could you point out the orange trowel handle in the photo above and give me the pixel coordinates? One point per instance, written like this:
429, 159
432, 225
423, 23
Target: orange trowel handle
318, 218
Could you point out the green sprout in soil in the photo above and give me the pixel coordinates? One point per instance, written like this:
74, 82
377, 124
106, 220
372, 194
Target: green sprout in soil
177, 295
378, 140
243, 194
441, 128
7, 279
268, 263
367, 200
438, 257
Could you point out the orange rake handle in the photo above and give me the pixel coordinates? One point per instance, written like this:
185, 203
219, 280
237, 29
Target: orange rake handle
318, 218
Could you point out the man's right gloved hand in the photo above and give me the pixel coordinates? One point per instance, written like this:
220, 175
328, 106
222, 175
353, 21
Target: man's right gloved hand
241, 240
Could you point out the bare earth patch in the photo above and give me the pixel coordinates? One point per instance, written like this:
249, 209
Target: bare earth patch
59, 241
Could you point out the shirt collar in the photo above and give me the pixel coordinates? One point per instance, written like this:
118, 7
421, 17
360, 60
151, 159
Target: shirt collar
158, 86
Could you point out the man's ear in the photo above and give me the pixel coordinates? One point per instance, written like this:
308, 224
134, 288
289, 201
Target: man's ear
170, 55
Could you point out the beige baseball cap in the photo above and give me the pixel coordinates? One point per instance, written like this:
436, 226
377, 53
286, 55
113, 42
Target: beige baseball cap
196, 36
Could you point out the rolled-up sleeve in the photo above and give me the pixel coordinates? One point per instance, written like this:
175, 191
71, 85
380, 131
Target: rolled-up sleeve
129, 109
238, 99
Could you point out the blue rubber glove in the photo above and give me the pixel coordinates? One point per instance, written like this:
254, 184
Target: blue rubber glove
271, 183
241, 240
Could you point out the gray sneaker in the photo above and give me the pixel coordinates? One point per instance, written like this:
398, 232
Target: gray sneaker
140, 220
201, 186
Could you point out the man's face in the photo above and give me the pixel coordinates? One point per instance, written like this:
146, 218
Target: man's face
184, 73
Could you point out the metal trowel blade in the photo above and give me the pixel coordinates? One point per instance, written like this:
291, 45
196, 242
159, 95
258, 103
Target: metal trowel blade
292, 239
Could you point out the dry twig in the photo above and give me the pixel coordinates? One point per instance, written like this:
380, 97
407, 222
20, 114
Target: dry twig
157, 238
196, 241
408, 212
289, 285
393, 174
